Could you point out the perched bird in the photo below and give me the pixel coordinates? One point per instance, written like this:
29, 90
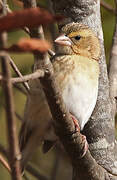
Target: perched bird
76, 70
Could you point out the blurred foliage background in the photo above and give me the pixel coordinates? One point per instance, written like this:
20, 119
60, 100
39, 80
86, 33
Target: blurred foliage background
52, 165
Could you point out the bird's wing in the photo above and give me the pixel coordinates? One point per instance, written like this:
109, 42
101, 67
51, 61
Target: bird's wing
24, 136
36, 116
47, 145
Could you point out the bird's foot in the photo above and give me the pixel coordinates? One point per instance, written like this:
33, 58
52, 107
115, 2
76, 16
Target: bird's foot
84, 140
77, 127
86, 146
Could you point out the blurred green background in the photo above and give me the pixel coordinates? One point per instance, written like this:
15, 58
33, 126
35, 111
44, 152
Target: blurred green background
52, 161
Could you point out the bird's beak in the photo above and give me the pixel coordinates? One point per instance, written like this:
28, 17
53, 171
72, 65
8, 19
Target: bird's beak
63, 40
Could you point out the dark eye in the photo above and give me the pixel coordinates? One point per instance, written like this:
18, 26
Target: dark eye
77, 37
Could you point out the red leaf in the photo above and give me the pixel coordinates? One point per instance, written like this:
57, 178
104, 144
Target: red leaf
31, 17
29, 45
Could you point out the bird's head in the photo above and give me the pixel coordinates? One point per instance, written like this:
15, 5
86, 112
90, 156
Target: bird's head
78, 39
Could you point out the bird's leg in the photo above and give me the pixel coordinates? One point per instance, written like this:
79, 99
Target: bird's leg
86, 146
77, 127
84, 140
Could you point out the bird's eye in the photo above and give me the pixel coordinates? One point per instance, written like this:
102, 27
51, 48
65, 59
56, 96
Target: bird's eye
77, 37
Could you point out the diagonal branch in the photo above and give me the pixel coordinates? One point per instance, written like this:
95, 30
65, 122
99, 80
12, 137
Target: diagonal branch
5, 163
35, 173
4, 151
21, 89
18, 73
29, 168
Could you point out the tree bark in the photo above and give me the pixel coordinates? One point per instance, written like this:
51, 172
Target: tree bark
100, 129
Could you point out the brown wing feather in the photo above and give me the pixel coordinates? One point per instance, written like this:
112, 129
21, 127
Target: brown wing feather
24, 136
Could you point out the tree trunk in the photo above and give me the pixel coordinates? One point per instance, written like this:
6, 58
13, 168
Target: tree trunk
100, 129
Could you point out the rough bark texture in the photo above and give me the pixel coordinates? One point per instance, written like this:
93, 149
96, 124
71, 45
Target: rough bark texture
100, 129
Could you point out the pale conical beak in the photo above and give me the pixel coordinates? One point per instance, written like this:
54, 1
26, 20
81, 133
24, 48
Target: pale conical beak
63, 40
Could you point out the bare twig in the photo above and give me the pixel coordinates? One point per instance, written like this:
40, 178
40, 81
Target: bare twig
0, 77
35, 75
25, 78
18, 73
29, 168
20, 89
11, 124
18, 116
10, 114
108, 7
26, 30
3, 151
7, 6
5, 163
35, 173
51, 53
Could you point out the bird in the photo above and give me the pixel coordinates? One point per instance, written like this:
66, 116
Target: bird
76, 71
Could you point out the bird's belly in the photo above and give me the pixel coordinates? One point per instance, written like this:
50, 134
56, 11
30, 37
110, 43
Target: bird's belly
77, 78
80, 98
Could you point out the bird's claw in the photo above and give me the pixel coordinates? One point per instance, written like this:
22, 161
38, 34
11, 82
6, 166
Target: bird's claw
86, 146
77, 127
84, 140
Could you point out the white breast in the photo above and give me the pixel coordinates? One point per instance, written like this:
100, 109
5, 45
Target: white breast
80, 98
80, 86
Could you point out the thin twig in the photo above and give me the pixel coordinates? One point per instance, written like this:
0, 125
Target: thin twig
26, 30
51, 53
5, 163
4, 151
25, 78
22, 90
108, 7
35, 75
0, 77
35, 173
29, 168
18, 116
11, 124
7, 6
18, 73
10, 113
